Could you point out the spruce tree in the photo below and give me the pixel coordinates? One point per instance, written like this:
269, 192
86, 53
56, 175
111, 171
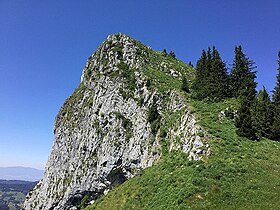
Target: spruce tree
211, 76
244, 87
243, 76
275, 128
172, 54
244, 120
263, 114
190, 64
199, 82
217, 77
164, 53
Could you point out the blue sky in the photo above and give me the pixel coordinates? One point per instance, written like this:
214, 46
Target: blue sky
44, 46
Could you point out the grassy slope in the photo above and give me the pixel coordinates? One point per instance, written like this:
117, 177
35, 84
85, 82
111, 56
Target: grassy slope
239, 174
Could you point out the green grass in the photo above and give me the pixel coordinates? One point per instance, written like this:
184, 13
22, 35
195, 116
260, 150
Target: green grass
161, 80
239, 174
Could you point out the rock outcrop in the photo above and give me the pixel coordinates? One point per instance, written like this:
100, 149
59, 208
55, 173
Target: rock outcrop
107, 131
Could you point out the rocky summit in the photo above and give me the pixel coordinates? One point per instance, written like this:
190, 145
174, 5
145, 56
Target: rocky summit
127, 112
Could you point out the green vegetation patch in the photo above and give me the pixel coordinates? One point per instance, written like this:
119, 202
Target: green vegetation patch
128, 75
126, 123
161, 80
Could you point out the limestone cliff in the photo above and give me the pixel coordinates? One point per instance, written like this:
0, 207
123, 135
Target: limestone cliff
126, 113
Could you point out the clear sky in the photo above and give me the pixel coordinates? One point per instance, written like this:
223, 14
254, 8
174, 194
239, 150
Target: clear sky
44, 46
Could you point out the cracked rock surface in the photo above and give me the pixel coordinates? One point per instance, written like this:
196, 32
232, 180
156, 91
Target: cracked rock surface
102, 133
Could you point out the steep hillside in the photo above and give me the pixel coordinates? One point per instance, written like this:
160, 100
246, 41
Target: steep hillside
239, 173
126, 115
130, 138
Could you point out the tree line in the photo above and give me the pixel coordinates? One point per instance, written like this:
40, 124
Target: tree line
258, 115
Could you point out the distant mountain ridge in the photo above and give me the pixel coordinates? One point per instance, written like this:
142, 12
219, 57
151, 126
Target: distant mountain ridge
21, 173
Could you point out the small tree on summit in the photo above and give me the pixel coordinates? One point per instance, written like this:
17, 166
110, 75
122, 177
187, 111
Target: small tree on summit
190, 64
172, 54
164, 52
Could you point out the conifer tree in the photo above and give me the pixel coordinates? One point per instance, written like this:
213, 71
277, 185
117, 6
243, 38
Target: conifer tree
217, 78
190, 64
211, 76
244, 121
172, 54
199, 82
164, 53
275, 128
263, 114
244, 87
242, 76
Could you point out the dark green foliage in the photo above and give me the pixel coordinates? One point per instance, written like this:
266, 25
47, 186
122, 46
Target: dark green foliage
172, 54
217, 79
200, 74
244, 120
211, 76
126, 124
84, 202
242, 77
243, 86
89, 72
153, 113
185, 84
190, 64
275, 128
263, 114
154, 118
118, 48
164, 53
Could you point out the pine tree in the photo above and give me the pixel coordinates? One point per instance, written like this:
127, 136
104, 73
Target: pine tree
242, 76
217, 77
164, 52
263, 114
199, 82
244, 87
172, 54
211, 76
275, 128
190, 64
244, 122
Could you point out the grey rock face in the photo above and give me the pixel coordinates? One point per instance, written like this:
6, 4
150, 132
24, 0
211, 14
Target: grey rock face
102, 136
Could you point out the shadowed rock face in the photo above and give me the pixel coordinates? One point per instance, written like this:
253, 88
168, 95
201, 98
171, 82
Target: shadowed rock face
102, 135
